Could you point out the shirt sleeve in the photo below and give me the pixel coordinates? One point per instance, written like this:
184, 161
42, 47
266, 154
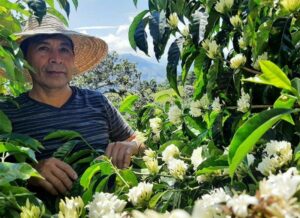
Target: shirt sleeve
119, 130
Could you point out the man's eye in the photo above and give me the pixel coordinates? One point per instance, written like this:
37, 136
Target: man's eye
43, 48
65, 50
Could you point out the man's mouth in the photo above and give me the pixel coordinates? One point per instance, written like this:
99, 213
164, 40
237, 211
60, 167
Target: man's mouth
56, 72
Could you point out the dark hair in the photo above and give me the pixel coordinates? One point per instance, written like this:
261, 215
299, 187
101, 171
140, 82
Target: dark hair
41, 37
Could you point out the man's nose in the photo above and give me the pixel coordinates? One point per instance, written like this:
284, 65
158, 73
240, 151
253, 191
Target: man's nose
55, 57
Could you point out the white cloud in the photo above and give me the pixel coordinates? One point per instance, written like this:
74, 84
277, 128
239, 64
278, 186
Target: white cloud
122, 28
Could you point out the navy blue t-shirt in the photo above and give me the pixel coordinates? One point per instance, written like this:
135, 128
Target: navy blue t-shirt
87, 112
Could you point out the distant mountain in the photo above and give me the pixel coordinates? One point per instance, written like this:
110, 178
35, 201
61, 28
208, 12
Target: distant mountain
148, 69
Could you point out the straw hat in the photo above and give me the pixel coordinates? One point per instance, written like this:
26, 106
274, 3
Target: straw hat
89, 50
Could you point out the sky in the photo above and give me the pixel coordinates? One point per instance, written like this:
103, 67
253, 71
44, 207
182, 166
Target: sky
109, 20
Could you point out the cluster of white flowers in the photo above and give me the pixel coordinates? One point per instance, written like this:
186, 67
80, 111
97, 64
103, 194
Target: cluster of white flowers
243, 103
177, 213
210, 204
173, 20
211, 47
140, 194
242, 43
277, 154
177, 168
151, 161
197, 157
216, 105
31, 211
240, 203
170, 152
264, 56
237, 61
105, 205
197, 106
280, 189
140, 137
174, 115
223, 6
236, 21
155, 124
290, 5
185, 31
70, 207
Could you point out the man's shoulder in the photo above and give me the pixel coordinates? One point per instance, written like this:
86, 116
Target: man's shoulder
90, 94
11, 103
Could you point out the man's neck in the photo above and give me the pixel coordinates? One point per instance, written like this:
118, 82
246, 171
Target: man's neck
54, 97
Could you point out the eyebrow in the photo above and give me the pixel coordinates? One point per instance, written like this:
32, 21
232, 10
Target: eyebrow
47, 43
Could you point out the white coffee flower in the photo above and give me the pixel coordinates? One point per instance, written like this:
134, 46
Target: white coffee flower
223, 6
264, 56
209, 204
243, 103
202, 178
275, 147
197, 157
152, 165
239, 204
174, 115
290, 5
31, 211
268, 165
236, 21
282, 185
140, 194
155, 124
242, 43
195, 109
173, 20
204, 101
237, 61
185, 31
216, 105
250, 159
150, 153
70, 207
140, 137
170, 152
105, 204
211, 47
177, 168
177, 213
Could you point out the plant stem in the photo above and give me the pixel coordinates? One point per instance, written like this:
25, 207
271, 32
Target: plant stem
250, 70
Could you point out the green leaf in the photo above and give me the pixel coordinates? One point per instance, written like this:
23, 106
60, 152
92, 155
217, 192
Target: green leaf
187, 65
63, 135
272, 75
38, 7
286, 101
154, 200
140, 36
11, 171
133, 26
75, 3
5, 124
77, 156
135, 2
212, 164
88, 174
128, 103
22, 140
296, 85
65, 150
12, 149
249, 133
129, 177
57, 14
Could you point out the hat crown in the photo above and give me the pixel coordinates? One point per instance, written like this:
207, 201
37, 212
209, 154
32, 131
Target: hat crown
49, 23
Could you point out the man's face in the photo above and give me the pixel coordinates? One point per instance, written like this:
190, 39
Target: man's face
53, 60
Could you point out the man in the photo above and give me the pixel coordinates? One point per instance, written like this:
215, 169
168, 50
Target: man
56, 54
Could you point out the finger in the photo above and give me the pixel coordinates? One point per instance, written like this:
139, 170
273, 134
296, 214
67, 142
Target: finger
67, 169
64, 178
121, 156
115, 153
109, 149
56, 182
127, 158
48, 187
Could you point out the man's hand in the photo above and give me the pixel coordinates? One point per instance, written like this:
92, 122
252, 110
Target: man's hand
121, 152
59, 176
